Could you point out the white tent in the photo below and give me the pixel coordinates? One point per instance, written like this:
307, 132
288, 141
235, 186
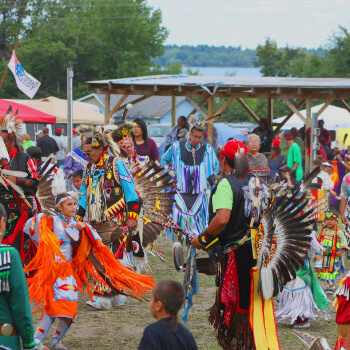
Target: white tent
334, 118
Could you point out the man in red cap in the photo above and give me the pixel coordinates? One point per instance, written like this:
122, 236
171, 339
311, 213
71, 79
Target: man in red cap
230, 212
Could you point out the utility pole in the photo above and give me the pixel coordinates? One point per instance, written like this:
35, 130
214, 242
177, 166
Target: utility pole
70, 75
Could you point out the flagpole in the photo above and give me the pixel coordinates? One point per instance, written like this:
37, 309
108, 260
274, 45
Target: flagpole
7, 65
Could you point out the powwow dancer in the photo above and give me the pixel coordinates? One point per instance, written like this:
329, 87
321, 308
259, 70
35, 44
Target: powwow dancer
18, 184
302, 298
15, 316
196, 166
330, 262
342, 317
68, 252
149, 183
109, 199
243, 315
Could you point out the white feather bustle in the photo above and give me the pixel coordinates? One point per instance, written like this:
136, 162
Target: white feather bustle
3, 151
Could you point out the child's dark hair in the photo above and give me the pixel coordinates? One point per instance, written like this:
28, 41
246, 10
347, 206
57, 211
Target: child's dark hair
78, 173
172, 295
35, 152
2, 212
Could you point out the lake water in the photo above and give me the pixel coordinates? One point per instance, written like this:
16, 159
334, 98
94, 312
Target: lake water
222, 71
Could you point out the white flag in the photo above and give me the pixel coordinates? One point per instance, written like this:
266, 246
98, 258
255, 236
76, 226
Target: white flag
25, 82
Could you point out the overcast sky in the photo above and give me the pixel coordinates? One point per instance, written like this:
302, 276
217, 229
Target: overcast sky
305, 23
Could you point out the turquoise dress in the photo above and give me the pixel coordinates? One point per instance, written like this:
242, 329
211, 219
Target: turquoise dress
14, 301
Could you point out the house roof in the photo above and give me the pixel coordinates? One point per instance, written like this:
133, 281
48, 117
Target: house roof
153, 107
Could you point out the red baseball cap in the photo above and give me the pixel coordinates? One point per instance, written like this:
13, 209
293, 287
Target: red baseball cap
231, 148
75, 131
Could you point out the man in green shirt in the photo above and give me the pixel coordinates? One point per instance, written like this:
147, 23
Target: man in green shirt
230, 214
294, 158
16, 321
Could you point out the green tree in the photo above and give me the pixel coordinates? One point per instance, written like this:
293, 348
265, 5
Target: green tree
12, 16
109, 40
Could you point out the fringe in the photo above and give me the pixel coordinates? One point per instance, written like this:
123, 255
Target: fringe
238, 335
298, 303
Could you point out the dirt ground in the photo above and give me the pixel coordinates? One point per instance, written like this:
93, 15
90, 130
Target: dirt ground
121, 328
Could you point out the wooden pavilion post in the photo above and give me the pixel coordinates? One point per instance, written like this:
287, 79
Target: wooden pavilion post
173, 111
107, 107
270, 109
210, 114
308, 159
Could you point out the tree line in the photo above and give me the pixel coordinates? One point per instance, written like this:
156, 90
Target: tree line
215, 56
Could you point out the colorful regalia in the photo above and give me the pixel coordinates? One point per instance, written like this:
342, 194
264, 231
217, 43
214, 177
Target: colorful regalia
14, 302
332, 242
263, 243
17, 198
343, 310
75, 160
194, 167
64, 260
108, 193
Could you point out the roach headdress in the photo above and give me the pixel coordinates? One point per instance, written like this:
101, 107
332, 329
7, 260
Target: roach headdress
204, 123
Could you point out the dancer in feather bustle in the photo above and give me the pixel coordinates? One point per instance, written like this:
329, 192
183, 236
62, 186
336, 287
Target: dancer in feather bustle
243, 313
17, 186
15, 315
230, 219
69, 251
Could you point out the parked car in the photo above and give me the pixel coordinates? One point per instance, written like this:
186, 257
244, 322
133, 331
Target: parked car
158, 132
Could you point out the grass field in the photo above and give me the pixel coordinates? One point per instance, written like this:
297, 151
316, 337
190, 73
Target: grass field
121, 328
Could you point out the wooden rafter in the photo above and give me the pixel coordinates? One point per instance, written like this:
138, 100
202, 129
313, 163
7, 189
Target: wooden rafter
294, 109
346, 106
115, 108
133, 102
205, 99
288, 117
198, 107
322, 109
248, 110
225, 105
225, 94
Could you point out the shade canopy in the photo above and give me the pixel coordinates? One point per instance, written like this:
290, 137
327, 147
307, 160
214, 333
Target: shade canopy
58, 107
334, 118
26, 113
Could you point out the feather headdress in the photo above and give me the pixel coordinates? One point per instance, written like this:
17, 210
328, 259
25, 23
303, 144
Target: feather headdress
100, 137
204, 123
13, 126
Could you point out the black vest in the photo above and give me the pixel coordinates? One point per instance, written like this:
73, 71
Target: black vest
238, 224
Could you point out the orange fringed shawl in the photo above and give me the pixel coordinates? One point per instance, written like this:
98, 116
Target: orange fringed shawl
49, 264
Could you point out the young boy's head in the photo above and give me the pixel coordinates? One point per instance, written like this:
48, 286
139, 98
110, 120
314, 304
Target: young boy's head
330, 220
3, 217
77, 178
167, 299
66, 204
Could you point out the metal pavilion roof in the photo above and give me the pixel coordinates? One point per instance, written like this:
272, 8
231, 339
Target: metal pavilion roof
256, 87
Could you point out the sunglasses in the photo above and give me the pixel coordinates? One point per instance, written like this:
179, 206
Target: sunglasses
87, 153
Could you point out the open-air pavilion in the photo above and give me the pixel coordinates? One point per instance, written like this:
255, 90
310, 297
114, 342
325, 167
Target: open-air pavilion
301, 90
